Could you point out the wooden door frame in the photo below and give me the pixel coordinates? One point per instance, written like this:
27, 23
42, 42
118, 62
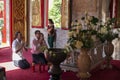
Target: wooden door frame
26, 21
11, 23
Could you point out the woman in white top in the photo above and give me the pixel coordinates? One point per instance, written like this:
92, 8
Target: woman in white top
17, 49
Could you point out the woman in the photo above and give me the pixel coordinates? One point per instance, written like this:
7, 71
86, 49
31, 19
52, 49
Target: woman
17, 52
51, 33
37, 54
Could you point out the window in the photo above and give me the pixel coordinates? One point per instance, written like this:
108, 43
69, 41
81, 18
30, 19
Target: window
4, 28
59, 12
54, 12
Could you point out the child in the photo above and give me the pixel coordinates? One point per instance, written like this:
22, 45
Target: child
37, 54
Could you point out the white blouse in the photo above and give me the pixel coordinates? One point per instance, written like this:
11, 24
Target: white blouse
15, 46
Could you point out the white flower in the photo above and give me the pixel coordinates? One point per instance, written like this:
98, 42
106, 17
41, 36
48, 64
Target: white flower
67, 49
87, 22
78, 44
79, 27
90, 18
70, 34
75, 34
104, 30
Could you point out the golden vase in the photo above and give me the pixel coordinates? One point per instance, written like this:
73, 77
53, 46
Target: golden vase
84, 64
108, 48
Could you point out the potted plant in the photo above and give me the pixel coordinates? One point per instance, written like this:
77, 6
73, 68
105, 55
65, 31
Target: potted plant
82, 36
106, 36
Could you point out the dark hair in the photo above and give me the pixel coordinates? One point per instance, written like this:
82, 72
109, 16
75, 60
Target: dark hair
16, 34
51, 21
42, 34
37, 31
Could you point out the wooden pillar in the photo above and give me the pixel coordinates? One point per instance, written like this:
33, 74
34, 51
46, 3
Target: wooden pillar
18, 17
105, 9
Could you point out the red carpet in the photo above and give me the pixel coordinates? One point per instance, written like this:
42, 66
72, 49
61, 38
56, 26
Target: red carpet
14, 73
107, 74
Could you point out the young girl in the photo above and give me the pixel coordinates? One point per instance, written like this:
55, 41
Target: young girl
43, 43
51, 33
